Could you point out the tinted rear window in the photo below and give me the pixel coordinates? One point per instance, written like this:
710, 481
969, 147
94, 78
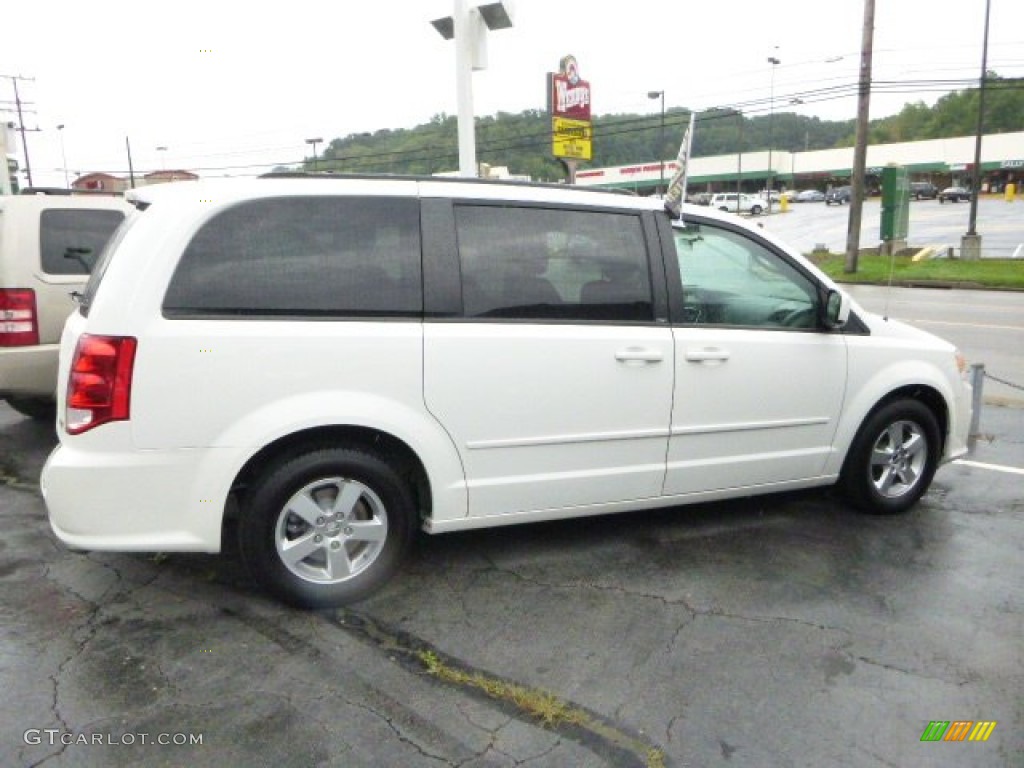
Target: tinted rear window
527, 263
330, 256
70, 240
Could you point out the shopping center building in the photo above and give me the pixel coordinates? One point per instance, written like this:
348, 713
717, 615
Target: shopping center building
944, 162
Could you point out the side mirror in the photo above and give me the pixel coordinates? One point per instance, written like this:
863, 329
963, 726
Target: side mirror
837, 309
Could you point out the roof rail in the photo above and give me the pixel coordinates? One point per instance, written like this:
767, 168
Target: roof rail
453, 179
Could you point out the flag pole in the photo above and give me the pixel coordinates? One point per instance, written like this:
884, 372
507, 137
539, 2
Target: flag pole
675, 195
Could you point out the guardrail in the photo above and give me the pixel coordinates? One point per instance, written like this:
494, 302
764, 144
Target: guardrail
978, 375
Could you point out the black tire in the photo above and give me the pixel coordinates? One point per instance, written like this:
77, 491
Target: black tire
375, 502
893, 458
37, 409
755, 210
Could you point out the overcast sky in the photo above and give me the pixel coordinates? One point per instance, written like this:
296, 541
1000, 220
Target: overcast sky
223, 85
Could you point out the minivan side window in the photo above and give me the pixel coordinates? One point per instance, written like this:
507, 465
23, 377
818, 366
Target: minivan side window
540, 263
70, 239
313, 256
730, 279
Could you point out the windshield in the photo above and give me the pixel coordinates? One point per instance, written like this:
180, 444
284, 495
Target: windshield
104, 259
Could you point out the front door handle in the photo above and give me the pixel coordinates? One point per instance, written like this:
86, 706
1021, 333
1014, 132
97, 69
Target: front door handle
706, 355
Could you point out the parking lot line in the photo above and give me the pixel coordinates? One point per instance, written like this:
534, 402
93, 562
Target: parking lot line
993, 467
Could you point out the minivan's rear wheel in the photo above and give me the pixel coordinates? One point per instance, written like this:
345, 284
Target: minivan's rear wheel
327, 527
893, 458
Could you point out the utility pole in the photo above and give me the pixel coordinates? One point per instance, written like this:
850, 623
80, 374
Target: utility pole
21, 122
860, 151
131, 168
970, 244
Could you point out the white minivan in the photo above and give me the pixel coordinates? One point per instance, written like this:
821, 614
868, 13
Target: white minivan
335, 362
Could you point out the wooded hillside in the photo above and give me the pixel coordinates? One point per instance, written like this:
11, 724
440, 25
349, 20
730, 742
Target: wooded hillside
523, 141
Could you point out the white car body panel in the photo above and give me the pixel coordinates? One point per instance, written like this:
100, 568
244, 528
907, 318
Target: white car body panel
753, 407
549, 416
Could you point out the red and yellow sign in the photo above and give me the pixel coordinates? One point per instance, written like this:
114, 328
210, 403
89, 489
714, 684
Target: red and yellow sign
571, 138
569, 104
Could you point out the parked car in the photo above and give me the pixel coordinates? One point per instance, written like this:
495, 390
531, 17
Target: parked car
47, 244
923, 190
837, 195
954, 194
700, 198
730, 201
809, 196
321, 366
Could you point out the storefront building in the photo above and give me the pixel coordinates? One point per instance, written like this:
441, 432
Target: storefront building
944, 162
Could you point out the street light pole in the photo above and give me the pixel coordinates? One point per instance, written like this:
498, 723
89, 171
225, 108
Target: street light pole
661, 136
63, 156
468, 26
771, 129
314, 142
739, 158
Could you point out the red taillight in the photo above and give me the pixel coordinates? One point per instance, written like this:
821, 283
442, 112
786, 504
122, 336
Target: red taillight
100, 384
19, 324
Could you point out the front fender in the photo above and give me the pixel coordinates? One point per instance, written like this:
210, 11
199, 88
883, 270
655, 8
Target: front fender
864, 395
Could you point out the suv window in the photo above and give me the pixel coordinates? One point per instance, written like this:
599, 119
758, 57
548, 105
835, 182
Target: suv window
553, 264
333, 256
85, 231
729, 279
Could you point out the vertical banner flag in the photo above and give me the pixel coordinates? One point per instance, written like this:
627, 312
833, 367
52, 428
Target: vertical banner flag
676, 192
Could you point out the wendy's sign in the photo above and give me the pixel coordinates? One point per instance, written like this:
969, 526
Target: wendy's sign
568, 95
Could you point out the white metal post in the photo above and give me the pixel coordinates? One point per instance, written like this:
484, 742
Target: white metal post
464, 34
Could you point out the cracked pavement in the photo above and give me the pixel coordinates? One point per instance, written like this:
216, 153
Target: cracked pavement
782, 631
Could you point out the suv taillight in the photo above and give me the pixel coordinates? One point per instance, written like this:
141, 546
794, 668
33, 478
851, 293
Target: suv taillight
19, 324
100, 384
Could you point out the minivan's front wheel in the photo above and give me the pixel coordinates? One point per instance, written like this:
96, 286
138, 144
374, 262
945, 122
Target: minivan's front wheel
893, 458
327, 527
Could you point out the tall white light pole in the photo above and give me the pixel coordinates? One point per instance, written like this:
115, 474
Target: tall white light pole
468, 26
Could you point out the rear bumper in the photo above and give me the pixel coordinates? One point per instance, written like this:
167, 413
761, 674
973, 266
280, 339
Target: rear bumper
29, 371
138, 501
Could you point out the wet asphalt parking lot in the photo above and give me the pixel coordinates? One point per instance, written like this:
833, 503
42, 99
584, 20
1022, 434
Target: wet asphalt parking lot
782, 631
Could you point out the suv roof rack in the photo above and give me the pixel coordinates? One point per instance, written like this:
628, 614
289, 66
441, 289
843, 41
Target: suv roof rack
455, 179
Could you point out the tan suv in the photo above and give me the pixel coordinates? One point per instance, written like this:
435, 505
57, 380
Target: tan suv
48, 244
